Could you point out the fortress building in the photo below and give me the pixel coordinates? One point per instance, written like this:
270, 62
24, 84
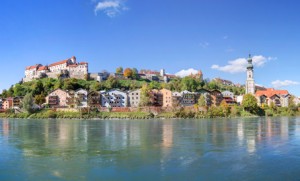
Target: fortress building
65, 68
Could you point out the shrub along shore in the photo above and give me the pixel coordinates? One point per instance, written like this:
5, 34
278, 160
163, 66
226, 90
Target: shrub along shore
212, 112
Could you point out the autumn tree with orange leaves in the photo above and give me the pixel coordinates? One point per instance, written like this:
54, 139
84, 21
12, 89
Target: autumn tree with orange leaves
128, 73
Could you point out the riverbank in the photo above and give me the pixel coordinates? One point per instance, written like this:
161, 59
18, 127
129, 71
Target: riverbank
50, 114
212, 112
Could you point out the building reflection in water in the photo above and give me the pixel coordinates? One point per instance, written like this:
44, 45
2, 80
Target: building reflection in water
5, 127
56, 136
167, 135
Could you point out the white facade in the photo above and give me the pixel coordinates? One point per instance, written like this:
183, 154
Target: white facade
176, 94
296, 100
284, 99
82, 94
66, 67
239, 99
134, 98
114, 98
228, 94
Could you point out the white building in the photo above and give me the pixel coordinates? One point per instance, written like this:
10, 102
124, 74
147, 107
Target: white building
134, 98
228, 94
82, 96
69, 68
114, 98
250, 85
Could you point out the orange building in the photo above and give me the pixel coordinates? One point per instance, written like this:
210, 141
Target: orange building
278, 97
167, 97
7, 103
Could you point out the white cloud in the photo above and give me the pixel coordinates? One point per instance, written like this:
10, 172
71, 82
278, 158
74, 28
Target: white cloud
110, 7
184, 73
239, 65
204, 44
279, 83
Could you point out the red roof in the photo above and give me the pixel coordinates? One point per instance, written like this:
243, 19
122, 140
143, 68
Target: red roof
43, 68
271, 92
33, 67
83, 63
59, 63
9, 99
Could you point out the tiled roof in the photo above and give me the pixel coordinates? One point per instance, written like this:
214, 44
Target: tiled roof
83, 63
271, 92
59, 63
33, 67
43, 68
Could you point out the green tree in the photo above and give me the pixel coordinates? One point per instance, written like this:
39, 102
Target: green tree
225, 107
49, 85
201, 101
96, 86
145, 96
213, 85
154, 85
10, 92
19, 90
59, 84
111, 83
175, 84
249, 103
37, 88
4, 93
189, 83
292, 106
119, 70
27, 103
39, 99
135, 73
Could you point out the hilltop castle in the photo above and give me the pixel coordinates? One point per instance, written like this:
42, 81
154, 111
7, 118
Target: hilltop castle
65, 68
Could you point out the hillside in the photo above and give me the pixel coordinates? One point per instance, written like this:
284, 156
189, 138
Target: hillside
46, 85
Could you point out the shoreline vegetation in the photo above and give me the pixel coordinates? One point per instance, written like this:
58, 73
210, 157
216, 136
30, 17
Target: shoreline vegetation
36, 91
212, 112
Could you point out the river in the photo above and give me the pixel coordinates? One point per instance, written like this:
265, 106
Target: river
208, 149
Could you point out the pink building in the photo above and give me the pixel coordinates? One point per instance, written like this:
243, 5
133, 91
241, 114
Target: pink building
57, 98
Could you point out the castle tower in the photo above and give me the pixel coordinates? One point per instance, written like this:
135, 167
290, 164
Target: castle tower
250, 85
162, 72
73, 60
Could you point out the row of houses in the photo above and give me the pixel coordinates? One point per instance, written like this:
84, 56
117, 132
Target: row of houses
161, 98
117, 98
10, 102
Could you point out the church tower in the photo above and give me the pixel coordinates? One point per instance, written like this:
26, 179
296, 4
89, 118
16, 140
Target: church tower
250, 85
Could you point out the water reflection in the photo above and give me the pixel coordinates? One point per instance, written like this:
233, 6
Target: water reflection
163, 146
66, 135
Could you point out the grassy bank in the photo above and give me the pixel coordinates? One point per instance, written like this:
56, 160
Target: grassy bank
48, 114
213, 112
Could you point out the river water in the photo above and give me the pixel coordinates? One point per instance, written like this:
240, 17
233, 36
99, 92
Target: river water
212, 149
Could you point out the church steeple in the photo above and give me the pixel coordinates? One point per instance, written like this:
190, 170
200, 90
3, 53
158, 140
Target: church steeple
250, 65
250, 85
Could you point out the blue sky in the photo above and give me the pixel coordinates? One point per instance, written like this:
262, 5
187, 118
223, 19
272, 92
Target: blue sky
211, 35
